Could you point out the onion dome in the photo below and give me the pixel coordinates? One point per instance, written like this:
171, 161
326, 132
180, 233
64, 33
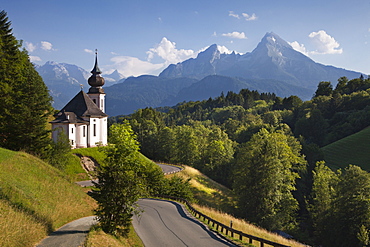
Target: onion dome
95, 79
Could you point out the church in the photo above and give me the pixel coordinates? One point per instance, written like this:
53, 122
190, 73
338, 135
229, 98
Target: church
83, 119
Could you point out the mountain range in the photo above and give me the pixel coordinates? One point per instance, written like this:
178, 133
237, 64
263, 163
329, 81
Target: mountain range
273, 66
65, 80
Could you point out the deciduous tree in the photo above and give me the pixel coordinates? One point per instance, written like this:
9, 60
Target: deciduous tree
265, 179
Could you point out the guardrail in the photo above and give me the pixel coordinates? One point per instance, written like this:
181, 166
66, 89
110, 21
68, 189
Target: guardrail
224, 228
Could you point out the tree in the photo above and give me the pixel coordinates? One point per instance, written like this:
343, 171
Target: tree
324, 89
322, 196
265, 179
187, 150
123, 179
60, 151
351, 208
25, 104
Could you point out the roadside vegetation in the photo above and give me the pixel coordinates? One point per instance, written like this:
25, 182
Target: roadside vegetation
219, 203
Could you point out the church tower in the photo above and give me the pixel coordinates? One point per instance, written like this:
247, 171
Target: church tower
96, 92
83, 119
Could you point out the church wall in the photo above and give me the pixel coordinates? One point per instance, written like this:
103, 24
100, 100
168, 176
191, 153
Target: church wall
104, 130
72, 134
99, 100
94, 132
69, 129
81, 136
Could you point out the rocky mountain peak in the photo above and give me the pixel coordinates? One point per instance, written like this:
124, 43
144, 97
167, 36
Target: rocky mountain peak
210, 54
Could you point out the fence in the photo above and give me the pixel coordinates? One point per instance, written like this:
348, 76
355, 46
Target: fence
227, 230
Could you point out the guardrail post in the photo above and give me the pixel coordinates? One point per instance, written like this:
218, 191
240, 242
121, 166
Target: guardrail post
231, 227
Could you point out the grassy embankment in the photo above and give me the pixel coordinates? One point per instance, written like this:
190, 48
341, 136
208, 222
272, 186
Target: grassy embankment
35, 199
353, 149
218, 202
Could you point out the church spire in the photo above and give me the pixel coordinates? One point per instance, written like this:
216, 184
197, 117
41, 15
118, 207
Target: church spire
95, 80
96, 69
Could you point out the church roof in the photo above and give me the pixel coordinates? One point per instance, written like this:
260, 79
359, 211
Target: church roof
80, 106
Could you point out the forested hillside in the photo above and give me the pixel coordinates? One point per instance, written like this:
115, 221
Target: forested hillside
267, 149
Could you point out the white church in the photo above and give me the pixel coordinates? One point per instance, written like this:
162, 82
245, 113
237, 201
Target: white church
83, 119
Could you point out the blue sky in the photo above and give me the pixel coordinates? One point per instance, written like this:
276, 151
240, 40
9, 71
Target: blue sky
144, 37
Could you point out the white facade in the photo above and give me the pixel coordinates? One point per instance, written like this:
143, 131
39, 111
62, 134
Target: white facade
88, 130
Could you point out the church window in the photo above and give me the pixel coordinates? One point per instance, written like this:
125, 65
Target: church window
94, 129
84, 131
72, 130
94, 101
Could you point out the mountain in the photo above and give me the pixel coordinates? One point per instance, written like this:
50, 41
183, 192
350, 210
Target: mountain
64, 80
273, 58
143, 91
273, 66
213, 85
113, 78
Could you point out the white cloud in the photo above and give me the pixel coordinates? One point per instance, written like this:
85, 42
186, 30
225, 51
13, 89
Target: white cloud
325, 44
235, 35
35, 59
30, 47
47, 46
89, 51
247, 17
299, 47
132, 66
167, 50
232, 14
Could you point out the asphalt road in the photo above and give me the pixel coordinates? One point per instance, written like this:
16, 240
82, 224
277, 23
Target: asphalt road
72, 234
167, 169
165, 223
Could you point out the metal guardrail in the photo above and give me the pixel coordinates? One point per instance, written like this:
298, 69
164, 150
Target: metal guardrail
224, 228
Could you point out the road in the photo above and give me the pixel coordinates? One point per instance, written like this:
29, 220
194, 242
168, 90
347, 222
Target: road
166, 223
167, 169
71, 234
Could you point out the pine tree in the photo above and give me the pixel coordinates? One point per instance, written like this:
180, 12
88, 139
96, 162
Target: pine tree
25, 104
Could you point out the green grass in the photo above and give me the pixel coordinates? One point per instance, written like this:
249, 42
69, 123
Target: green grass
98, 238
35, 199
354, 150
91, 152
208, 192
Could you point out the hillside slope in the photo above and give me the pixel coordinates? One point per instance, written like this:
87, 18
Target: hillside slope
35, 199
353, 149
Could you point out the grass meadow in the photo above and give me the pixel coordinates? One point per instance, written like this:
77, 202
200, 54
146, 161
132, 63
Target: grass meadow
354, 150
35, 199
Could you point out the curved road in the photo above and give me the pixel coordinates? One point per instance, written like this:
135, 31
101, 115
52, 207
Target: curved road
167, 223
71, 234
74, 233
167, 169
